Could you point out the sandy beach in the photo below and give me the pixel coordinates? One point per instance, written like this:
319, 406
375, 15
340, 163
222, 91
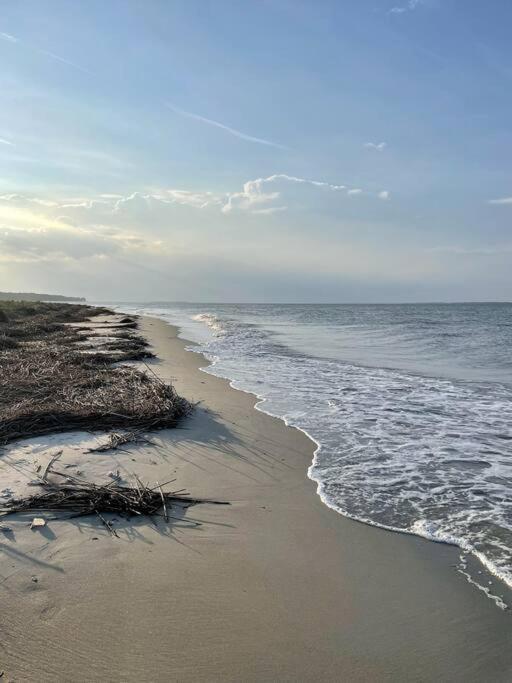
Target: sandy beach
273, 587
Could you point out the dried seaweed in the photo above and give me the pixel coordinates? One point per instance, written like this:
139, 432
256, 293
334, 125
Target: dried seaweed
51, 381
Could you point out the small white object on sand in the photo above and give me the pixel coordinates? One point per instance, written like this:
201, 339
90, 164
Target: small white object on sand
37, 522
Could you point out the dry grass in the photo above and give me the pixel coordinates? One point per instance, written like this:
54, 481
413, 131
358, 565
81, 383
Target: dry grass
49, 383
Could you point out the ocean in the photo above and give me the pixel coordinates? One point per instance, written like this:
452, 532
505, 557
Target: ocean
410, 406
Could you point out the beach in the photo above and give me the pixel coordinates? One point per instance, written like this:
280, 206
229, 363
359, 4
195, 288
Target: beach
274, 587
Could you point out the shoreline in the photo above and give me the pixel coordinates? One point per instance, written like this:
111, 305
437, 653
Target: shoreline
433, 544
275, 586
478, 562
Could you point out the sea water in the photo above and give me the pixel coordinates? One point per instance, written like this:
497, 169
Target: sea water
410, 405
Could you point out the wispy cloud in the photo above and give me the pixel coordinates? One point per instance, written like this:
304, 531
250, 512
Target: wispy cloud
267, 190
262, 196
3, 141
294, 179
13, 39
269, 211
502, 200
378, 146
408, 7
8, 37
384, 194
52, 55
222, 126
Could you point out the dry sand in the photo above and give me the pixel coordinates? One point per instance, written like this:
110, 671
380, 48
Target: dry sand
274, 587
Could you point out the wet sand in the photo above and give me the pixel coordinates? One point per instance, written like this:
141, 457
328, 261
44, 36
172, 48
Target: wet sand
274, 587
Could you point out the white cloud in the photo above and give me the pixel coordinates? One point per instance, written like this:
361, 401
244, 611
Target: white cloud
408, 7
180, 244
35, 229
8, 38
19, 200
263, 196
502, 200
272, 188
222, 126
199, 199
250, 197
379, 147
160, 221
3, 141
40, 244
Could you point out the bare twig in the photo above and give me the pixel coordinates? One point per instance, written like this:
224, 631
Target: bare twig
49, 465
163, 502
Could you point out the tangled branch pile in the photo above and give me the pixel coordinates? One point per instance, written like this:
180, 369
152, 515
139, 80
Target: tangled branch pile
50, 380
79, 498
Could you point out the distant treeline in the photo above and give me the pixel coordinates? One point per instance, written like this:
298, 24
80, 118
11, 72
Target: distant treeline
31, 296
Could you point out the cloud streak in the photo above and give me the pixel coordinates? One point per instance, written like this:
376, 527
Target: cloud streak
57, 58
502, 200
7, 37
222, 126
3, 141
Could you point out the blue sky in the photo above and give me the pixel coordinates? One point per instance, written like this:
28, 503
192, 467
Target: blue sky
272, 150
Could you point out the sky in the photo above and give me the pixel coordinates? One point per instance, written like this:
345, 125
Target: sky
257, 150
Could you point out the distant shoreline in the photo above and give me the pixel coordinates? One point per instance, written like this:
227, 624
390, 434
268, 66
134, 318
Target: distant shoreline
32, 297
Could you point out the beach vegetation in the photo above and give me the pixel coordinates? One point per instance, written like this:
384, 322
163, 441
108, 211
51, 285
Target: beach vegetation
61, 372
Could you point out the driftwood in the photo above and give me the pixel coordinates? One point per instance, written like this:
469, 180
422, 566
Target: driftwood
79, 498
